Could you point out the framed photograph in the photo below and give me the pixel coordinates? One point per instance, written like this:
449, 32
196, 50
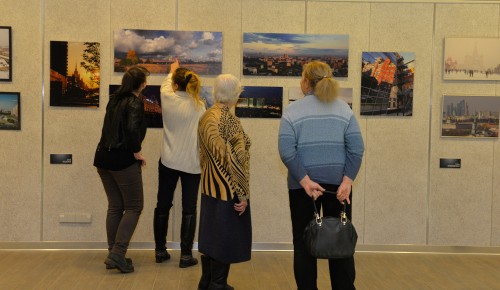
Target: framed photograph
472, 59
10, 111
199, 51
279, 54
470, 116
387, 83
74, 74
152, 105
5, 54
206, 94
260, 102
295, 93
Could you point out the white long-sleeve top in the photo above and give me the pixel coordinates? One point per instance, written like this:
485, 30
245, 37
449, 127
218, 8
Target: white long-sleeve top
181, 115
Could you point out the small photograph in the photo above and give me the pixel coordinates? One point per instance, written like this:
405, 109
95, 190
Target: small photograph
472, 59
199, 51
152, 105
10, 112
387, 83
295, 93
206, 94
74, 74
279, 54
470, 116
5, 54
260, 102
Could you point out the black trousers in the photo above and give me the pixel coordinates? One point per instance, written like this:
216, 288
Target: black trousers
342, 271
167, 182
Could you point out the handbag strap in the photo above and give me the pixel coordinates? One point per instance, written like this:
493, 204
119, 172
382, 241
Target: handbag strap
319, 219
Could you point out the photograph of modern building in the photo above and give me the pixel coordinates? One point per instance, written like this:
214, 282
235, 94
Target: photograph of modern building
260, 102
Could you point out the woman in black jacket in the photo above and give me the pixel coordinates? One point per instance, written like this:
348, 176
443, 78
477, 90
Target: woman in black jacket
118, 160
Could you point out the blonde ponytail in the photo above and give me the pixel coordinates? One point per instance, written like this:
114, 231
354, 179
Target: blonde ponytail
320, 77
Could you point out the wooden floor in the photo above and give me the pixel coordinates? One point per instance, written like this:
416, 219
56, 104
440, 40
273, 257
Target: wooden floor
84, 269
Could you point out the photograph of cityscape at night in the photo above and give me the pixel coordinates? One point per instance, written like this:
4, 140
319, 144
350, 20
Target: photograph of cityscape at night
155, 50
5, 54
74, 74
260, 102
279, 54
387, 83
470, 116
295, 93
152, 105
10, 114
472, 59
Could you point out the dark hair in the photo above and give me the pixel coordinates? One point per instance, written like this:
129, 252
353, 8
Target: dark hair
188, 81
132, 80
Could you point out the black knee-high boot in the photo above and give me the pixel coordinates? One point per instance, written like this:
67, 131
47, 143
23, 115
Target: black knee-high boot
188, 228
218, 276
205, 273
160, 227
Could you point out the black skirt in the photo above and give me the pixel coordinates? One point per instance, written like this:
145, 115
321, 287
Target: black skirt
224, 235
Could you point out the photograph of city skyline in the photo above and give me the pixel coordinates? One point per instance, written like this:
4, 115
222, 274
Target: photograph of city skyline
10, 115
74, 74
199, 51
5, 54
471, 59
387, 83
470, 116
260, 102
152, 104
279, 54
295, 93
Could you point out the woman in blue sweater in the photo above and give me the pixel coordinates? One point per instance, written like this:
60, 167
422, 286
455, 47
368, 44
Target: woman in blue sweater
321, 145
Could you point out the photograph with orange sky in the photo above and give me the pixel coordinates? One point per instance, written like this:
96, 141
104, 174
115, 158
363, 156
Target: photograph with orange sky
74, 74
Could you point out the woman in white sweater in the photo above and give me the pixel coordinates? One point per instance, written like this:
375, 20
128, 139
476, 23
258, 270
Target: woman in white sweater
181, 111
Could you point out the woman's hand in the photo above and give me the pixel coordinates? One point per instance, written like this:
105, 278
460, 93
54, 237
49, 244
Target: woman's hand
240, 207
174, 66
344, 190
312, 188
138, 156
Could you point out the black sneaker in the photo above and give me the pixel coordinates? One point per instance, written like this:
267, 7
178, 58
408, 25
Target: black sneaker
187, 261
161, 256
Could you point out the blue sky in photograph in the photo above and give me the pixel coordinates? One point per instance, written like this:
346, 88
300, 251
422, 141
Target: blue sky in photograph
295, 44
371, 56
165, 44
8, 101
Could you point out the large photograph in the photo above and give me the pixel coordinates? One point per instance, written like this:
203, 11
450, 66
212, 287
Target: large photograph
472, 59
278, 54
260, 102
152, 105
5, 54
74, 74
199, 51
470, 116
10, 112
387, 83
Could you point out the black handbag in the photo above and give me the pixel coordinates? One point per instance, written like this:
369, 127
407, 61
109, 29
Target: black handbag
330, 237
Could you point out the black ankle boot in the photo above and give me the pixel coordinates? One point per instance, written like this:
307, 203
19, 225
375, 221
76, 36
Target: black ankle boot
188, 228
187, 261
129, 261
219, 273
117, 261
161, 256
205, 273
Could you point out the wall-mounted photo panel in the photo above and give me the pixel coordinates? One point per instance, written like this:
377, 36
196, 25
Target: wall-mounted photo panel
279, 54
152, 105
387, 83
199, 51
74, 74
206, 94
260, 102
471, 59
295, 93
5, 53
470, 116
10, 111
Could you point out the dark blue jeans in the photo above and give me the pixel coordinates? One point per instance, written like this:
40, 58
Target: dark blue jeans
125, 203
342, 271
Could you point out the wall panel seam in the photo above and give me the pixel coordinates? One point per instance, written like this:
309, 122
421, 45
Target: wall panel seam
43, 122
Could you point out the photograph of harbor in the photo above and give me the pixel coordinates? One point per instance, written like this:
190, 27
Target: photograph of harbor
279, 54
387, 83
5, 54
152, 105
470, 116
260, 102
74, 74
10, 113
471, 59
199, 51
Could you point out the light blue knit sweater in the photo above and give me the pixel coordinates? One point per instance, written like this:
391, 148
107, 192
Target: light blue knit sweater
321, 140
